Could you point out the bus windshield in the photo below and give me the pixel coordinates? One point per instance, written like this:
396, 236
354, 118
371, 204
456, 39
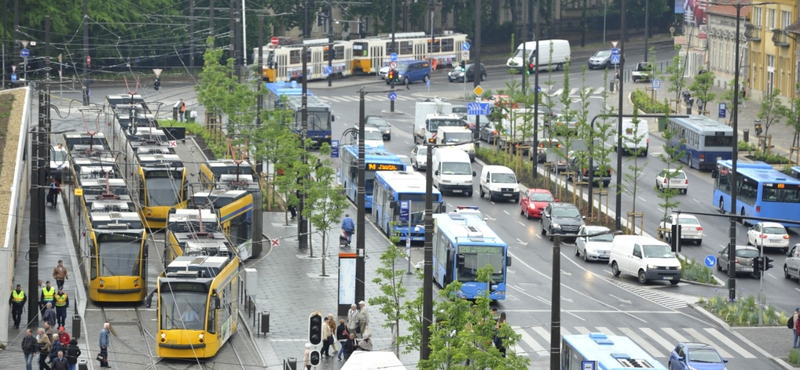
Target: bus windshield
182, 310
789, 194
163, 192
456, 168
118, 258
476, 257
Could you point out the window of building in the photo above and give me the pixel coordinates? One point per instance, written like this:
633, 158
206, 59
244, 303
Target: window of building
770, 74
786, 19
757, 14
771, 18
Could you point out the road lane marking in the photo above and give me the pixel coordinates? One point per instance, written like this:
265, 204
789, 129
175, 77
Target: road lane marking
659, 339
528, 339
523, 225
678, 337
697, 337
506, 212
643, 343
582, 330
642, 199
735, 347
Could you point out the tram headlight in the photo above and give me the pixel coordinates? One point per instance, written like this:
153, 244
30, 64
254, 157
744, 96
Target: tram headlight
163, 337
136, 283
200, 337
102, 282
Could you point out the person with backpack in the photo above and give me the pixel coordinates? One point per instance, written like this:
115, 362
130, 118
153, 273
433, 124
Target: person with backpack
341, 335
73, 352
793, 324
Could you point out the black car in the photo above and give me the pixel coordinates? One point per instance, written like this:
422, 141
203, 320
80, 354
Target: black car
561, 218
381, 124
488, 132
458, 75
582, 172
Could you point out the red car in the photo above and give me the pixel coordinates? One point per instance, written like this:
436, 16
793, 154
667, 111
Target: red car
534, 201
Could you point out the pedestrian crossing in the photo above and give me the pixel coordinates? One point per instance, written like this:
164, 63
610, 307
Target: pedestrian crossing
574, 94
658, 342
668, 300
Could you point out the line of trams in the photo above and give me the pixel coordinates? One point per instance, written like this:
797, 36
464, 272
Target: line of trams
129, 183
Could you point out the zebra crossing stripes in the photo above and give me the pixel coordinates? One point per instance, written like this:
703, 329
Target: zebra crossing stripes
674, 334
697, 337
642, 343
671, 301
659, 339
574, 92
735, 347
371, 98
528, 339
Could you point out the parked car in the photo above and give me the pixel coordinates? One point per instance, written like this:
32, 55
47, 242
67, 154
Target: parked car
419, 157
582, 172
487, 132
593, 248
541, 151
642, 72
561, 218
791, 266
768, 235
677, 180
458, 75
744, 260
534, 201
381, 124
691, 356
601, 59
691, 230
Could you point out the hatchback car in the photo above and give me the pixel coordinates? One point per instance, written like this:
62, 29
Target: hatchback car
695, 356
601, 59
672, 179
594, 248
381, 124
458, 75
534, 201
768, 235
488, 133
419, 157
690, 228
744, 260
561, 218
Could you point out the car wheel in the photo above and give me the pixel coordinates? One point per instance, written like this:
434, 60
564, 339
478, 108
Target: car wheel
690, 161
684, 191
585, 257
469, 194
544, 232
675, 281
483, 77
614, 269
550, 235
425, 78
699, 241
481, 192
389, 138
642, 277
577, 251
786, 272
406, 81
608, 64
450, 79
719, 266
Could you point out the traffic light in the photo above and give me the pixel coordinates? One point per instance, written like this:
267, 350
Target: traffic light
766, 263
756, 264
390, 76
530, 68
314, 358
157, 83
463, 66
315, 328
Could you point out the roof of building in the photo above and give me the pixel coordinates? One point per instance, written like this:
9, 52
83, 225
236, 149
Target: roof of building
794, 27
726, 8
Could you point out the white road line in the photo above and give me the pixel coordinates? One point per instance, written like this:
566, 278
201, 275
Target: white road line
564, 331
659, 339
557, 92
605, 330
678, 337
697, 337
528, 339
573, 91
520, 241
582, 330
643, 343
544, 333
735, 347
506, 212
642, 199
523, 225
697, 201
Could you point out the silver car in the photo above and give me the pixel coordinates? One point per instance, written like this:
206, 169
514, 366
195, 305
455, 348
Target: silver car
744, 260
601, 59
593, 248
419, 157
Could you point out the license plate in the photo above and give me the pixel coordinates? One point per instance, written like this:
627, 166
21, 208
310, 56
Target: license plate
747, 269
665, 278
775, 240
456, 191
506, 194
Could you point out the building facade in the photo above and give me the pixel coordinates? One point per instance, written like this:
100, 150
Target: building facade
722, 38
772, 50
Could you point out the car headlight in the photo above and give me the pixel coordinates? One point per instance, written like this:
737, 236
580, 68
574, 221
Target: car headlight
556, 226
680, 267
651, 267
387, 131
468, 182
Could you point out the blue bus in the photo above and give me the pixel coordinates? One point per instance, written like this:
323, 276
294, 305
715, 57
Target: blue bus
392, 187
375, 159
605, 352
796, 172
463, 245
761, 191
284, 95
705, 141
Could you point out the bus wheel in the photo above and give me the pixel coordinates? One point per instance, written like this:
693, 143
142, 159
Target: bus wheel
721, 205
690, 161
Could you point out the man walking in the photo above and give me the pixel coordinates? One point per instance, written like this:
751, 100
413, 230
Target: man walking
104, 345
50, 316
348, 226
62, 303
55, 189
73, 352
48, 296
363, 317
60, 273
182, 111
60, 362
29, 349
17, 303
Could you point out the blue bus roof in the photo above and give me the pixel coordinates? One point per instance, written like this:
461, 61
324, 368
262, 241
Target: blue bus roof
463, 230
285, 88
703, 124
761, 171
404, 182
612, 352
373, 154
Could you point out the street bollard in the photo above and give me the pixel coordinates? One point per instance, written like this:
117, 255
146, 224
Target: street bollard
264, 322
76, 326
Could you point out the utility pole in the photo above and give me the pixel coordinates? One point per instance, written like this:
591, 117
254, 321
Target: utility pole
37, 190
525, 58
302, 223
477, 81
243, 47
361, 192
47, 48
646, 27
536, 98
427, 281
260, 69
330, 42
555, 306
191, 36
405, 16
305, 21
734, 159
15, 50
85, 84
618, 200
232, 36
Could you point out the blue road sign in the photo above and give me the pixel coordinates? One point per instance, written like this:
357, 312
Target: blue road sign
13, 77
588, 365
428, 83
615, 59
538, 89
392, 95
334, 148
465, 46
25, 53
614, 51
328, 69
393, 57
722, 110
478, 109
710, 260
404, 211
656, 83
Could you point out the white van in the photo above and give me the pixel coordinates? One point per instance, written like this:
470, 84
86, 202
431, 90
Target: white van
452, 171
454, 136
644, 257
561, 54
499, 182
635, 136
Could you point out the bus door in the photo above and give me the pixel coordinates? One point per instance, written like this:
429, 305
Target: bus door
452, 268
419, 50
376, 54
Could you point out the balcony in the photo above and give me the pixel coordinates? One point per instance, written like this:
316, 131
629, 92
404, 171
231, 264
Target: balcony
752, 32
780, 38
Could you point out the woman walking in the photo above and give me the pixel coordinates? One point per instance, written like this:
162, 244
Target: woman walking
341, 335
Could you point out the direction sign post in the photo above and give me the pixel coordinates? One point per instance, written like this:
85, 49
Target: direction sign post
478, 90
657, 83
393, 65
478, 109
465, 46
465, 55
393, 57
13, 77
334, 148
722, 110
25, 53
328, 70
392, 96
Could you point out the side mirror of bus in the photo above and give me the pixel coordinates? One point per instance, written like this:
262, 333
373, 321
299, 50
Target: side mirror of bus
148, 302
508, 261
333, 118
436, 173
474, 174
460, 260
713, 174
217, 303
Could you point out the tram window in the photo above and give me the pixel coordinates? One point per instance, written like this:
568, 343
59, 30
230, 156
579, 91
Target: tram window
181, 310
338, 52
406, 47
294, 56
436, 44
448, 45
388, 48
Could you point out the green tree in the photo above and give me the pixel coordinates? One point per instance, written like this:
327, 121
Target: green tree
412, 314
727, 98
390, 282
671, 157
635, 171
793, 117
677, 80
701, 90
772, 110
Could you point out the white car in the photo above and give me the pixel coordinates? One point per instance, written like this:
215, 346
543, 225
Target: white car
678, 180
768, 235
593, 248
419, 157
691, 230
383, 72
406, 160
372, 137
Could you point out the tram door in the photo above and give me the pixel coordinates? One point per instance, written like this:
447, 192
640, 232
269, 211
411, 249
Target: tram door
376, 54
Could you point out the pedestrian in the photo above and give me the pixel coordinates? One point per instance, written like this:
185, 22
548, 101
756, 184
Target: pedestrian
60, 362
54, 190
743, 95
495, 316
17, 303
332, 325
307, 357
366, 343
182, 111
293, 211
55, 348
44, 349
73, 352
63, 336
348, 226
62, 303
60, 273
103, 358
326, 336
498, 340
50, 316
341, 335
794, 323
29, 349
352, 319
349, 346
363, 318
48, 295
48, 329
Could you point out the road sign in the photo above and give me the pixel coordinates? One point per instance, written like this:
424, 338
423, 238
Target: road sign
657, 83
464, 55
334, 148
404, 211
538, 89
478, 109
25, 53
393, 65
328, 70
478, 90
615, 51
13, 77
393, 57
393, 95
465, 46
614, 44
274, 40
710, 260
173, 143
615, 59
722, 110
276, 242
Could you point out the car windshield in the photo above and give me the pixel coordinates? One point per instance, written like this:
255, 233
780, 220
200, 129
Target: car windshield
566, 212
602, 53
504, 178
456, 168
373, 135
704, 355
657, 251
377, 122
541, 197
688, 221
458, 137
600, 238
422, 151
746, 253
774, 230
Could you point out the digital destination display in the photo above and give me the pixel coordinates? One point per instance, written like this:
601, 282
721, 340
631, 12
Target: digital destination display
383, 167
478, 249
184, 287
